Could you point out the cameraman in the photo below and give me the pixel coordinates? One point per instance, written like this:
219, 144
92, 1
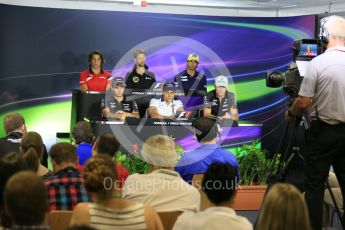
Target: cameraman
323, 93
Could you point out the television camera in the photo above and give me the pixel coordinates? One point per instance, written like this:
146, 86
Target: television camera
304, 51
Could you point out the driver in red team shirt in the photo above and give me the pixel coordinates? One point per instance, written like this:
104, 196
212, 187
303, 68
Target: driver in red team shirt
95, 78
309, 52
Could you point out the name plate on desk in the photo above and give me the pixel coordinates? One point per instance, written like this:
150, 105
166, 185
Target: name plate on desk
103, 122
170, 123
150, 92
134, 132
157, 122
156, 90
161, 122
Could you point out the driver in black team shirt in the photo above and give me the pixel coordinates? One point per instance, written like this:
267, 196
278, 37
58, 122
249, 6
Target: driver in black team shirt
140, 78
115, 105
220, 103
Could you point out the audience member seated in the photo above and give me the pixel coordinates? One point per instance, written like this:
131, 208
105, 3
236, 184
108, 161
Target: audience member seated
66, 188
109, 211
31, 149
284, 208
107, 144
95, 78
335, 187
14, 126
198, 160
10, 164
163, 188
26, 201
220, 103
83, 138
166, 106
116, 105
219, 184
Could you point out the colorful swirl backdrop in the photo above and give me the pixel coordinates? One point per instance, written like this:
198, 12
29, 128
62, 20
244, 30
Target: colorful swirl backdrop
43, 50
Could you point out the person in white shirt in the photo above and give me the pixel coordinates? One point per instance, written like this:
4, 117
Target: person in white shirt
219, 184
166, 106
163, 188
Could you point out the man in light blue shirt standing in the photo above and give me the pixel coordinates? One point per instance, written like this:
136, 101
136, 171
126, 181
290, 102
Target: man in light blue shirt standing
198, 160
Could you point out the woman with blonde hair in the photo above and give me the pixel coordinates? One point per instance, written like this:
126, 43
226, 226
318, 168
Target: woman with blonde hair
284, 208
109, 211
31, 149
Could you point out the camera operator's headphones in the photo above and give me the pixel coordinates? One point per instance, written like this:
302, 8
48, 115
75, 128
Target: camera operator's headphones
324, 35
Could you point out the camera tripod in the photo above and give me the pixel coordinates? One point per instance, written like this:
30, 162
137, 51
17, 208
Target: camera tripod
286, 159
295, 142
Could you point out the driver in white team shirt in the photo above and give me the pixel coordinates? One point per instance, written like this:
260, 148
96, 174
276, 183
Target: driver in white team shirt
166, 106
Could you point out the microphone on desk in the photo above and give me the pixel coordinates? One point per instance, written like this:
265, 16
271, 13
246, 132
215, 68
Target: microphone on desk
173, 110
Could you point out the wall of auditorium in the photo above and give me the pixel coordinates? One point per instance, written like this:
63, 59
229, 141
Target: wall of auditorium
44, 49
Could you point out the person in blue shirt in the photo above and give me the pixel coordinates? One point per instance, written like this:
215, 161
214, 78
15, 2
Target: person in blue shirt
198, 160
83, 137
192, 82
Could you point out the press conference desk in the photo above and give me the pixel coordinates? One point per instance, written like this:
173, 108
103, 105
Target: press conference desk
88, 104
133, 134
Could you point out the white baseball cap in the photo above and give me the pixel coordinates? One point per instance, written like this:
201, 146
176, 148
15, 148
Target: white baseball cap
221, 81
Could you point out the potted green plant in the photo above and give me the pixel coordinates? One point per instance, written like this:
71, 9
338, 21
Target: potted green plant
134, 164
256, 167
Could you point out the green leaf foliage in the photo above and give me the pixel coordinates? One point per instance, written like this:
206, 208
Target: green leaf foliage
255, 165
132, 163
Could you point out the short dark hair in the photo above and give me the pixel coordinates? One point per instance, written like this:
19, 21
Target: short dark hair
12, 122
205, 129
107, 144
63, 152
29, 208
9, 165
219, 182
82, 132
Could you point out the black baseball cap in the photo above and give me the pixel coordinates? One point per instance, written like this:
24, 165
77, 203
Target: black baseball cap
118, 81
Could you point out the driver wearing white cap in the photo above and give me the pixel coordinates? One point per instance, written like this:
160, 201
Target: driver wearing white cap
221, 103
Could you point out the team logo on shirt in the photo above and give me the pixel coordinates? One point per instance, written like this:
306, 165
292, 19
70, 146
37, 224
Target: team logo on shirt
135, 79
126, 107
184, 78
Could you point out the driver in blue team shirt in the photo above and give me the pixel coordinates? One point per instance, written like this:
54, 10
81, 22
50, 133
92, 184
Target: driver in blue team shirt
190, 80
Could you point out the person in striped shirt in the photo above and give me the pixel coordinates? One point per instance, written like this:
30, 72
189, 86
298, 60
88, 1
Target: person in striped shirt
109, 210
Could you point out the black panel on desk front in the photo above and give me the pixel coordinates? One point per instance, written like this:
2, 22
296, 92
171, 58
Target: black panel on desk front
85, 105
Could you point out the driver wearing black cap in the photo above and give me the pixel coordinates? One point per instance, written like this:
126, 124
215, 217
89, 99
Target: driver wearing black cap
116, 105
